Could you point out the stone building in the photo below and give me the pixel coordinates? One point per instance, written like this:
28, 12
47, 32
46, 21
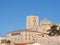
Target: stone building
34, 32
23, 36
2, 40
45, 25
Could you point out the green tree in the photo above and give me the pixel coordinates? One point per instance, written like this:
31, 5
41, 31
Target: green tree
53, 31
8, 42
58, 32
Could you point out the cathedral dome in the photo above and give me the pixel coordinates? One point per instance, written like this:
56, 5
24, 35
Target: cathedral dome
45, 21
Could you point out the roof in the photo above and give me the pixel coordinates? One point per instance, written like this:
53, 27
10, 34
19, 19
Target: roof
45, 21
21, 31
26, 30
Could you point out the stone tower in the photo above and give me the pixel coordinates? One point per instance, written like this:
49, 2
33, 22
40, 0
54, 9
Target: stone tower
32, 22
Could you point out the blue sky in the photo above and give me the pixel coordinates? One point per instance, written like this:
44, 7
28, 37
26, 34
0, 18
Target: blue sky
13, 13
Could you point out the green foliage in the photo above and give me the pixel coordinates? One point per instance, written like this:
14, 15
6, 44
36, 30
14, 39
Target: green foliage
54, 31
8, 41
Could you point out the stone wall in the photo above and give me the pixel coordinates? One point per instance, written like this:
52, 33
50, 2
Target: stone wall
54, 40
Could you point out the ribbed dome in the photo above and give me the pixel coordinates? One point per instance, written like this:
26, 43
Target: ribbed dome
45, 21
